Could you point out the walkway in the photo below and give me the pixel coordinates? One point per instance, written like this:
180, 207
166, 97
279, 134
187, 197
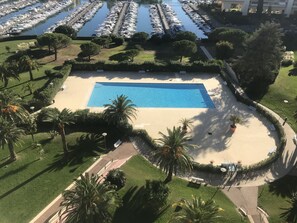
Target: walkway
120, 19
112, 160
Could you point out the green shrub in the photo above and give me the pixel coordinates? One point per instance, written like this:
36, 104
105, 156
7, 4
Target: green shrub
116, 177
224, 50
49, 73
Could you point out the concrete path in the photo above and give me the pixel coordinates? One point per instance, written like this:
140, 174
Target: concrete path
112, 160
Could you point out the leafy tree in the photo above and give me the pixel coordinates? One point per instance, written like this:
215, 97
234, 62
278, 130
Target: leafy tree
196, 211
172, 155
214, 35
89, 49
132, 53
11, 107
46, 40
90, 201
26, 63
184, 48
116, 177
259, 65
59, 120
120, 110
54, 41
155, 195
103, 41
66, 30
10, 134
60, 41
235, 36
290, 214
8, 70
140, 37
117, 40
186, 35
224, 50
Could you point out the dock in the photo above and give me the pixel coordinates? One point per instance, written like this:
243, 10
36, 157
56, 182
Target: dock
72, 21
121, 18
163, 19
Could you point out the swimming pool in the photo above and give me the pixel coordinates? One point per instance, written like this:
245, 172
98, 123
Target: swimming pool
152, 95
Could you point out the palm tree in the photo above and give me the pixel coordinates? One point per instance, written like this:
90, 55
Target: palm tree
186, 123
90, 201
29, 87
172, 155
11, 107
120, 110
8, 70
59, 120
26, 63
10, 134
197, 211
31, 126
290, 214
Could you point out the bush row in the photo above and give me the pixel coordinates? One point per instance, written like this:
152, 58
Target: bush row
213, 66
44, 95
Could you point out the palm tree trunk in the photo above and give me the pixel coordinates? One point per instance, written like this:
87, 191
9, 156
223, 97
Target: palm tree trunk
260, 7
5, 82
31, 75
49, 49
11, 151
56, 54
169, 175
89, 58
63, 137
32, 136
181, 59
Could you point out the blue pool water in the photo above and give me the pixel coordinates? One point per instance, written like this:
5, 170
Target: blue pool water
148, 95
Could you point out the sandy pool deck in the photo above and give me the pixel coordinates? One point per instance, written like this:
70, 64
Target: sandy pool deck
251, 142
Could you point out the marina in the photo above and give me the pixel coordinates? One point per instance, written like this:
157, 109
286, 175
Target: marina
92, 18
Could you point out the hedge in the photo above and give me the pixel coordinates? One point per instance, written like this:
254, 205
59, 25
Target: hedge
44, 95
213, 66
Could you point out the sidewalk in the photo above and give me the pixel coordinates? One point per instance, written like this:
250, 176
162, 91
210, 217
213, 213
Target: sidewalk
112, 160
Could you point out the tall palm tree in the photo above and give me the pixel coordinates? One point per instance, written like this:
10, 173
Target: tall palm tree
90, 201
290, 214
120, 110
11, 107
197, 211
59, 120
8, 70
10, 134
31, 126
26, 63
172, 155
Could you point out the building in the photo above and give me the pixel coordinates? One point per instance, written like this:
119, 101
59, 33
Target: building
287, 7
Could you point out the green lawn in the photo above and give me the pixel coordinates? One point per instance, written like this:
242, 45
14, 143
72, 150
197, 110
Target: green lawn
273, 197
38, 176
284, 88
138, 170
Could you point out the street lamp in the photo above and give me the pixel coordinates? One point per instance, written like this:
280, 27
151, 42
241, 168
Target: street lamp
104, 134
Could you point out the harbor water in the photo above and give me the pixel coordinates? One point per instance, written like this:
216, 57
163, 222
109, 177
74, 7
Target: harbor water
143, 20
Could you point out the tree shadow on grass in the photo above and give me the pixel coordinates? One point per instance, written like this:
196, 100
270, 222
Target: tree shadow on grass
284, 187
87, 145
132, 210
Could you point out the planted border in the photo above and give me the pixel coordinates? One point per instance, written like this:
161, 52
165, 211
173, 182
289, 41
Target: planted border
213, 66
